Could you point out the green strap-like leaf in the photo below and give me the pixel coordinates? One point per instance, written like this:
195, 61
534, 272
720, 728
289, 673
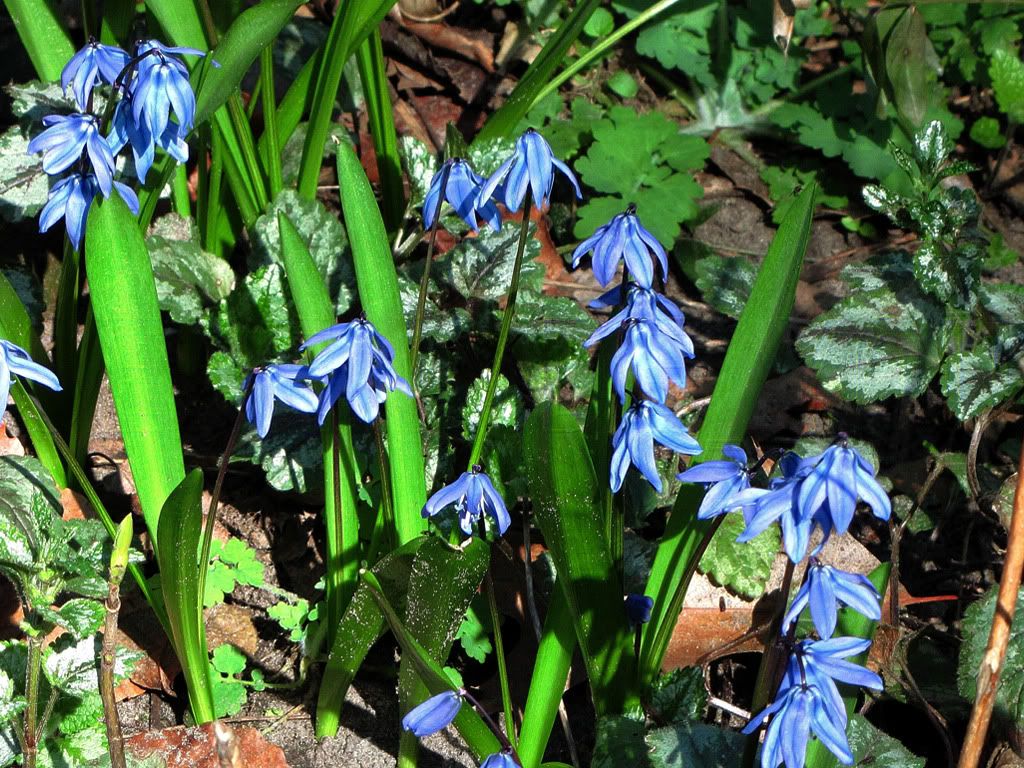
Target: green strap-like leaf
378, 293
564, 490
131, 336
42, 34
181, 525
746, 366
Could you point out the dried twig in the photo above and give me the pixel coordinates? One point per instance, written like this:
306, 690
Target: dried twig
999, 637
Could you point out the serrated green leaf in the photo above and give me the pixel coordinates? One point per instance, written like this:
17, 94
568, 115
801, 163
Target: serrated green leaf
541, 320
691, 744
34, 100
872, 747
70, 664
1007, 73
228, 660
976, 626
725, 283
619, 742
419, 164
11, 704
291, 456
81, 617
474, 636
480, 268
228, 697
187, 278
680, 696
741, 568
877, 344
679, 39
973, 382
507, 408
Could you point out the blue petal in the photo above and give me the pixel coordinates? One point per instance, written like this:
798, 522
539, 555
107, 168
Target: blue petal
433, 714
446, 496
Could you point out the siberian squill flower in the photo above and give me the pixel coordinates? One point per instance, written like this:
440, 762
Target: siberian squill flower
723, 479
284, 382
623, 239
15, 361
94, 62
124, 130
655, 356
638, 609
798, 712
633, 441
642, 304
161, 85
501, 759
70, 199
433, 714
824, 589
461, 191
358, 364
531, 167
474, 496
63, 141
839, 478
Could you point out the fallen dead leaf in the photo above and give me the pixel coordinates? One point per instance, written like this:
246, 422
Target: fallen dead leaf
181, 747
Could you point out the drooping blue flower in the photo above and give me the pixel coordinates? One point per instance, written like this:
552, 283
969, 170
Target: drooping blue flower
358, 364
474, 496
638, 609
501, 759
64, 140
70, 199
461, 192
824, 589
839, 478
623, 239
531, 167
656, 357
124, 130
724, 480
633, 443
161, 86
15, 361
92, 63
642, 304
433, 714
284, 382
798, 712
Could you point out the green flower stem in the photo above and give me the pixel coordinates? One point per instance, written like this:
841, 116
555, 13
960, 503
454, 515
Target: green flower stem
603, 47
421, 301
179, 192
499, 653
270, 119
65, 327
506, 325
387, 505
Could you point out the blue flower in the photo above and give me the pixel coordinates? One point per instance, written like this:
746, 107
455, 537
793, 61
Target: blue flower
358, 363
433, 714
63, 141
16, 361
723, 479
638, 609
124, 130
633, 442
531, 166
824, 589
798, 712
642, 304
461, 191
623, 238
284, 382
70, 199
501, 759
474, 496
95, 61
839, 478
655, 356
161, 85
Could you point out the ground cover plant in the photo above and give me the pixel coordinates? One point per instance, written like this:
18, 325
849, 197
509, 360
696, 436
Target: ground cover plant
515, 385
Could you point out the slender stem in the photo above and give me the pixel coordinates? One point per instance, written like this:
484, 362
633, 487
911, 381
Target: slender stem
222, 469
179, 192
252, 164
387, 505
421, 301
335, 570
65, 324
499, 652
270, 118
115, 739
495, 728
999, 637
255, 97
506, 325
32, 675
212, 207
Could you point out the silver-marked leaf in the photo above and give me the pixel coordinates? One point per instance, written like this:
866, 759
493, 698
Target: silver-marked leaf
976, 626
11, 705
420, 165
34, 100
692, 744
71, 666
481, 267
872, 747
506, 409
877, 344
740, 568
725, 283
80, 616
973, 382
23, 184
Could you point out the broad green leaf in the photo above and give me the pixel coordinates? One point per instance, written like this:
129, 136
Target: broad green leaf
23, 185
419, 164
977, 624
691, 744
872, 747
38, 24
187, 277
641, 159
725, 283
228, 660
679, 696
507, 408
254, 29
480, 268
877, 344
973, 382
907, 68
741, 568
124, 302
619, 742
474, 634
1007, 73
181, 575
81, 617
678, 39
564, 490
70, 664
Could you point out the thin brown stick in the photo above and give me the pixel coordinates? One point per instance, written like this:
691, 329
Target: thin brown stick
999, 637
108, 652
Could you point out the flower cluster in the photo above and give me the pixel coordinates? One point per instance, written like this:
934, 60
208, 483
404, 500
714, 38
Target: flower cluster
156, 109
817, 492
